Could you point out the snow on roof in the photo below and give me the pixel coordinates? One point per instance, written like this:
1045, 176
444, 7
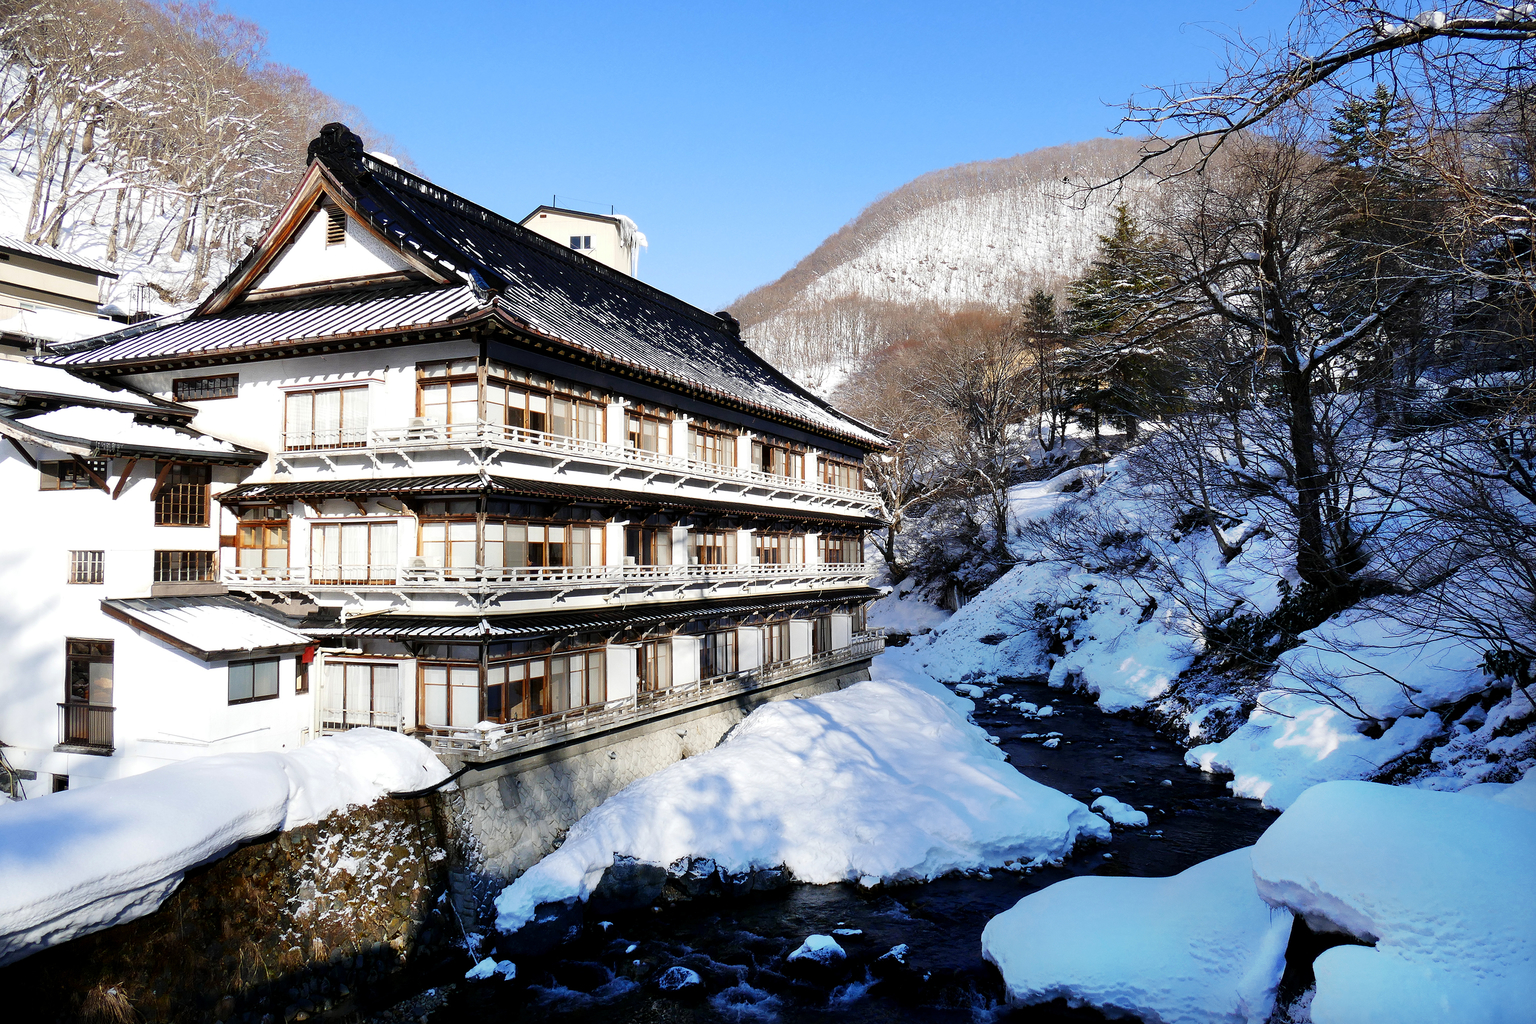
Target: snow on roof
38, 379
211, 625
58, 326
52, 255
111, 427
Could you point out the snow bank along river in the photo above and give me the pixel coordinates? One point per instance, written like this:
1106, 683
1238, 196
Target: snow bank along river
620, 967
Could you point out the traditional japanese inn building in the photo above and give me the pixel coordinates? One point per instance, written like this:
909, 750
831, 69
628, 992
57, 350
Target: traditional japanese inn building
414, 465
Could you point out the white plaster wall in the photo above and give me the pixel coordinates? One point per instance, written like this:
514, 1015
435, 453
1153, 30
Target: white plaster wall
307, 259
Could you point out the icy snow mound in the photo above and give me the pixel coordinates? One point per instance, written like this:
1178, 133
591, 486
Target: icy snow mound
1200, 947
1438, 881
1120, 812
1292, 742
87, 859
881, 780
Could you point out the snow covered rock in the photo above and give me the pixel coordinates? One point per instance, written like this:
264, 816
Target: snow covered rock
678, 978
1200, 947
883, 780
1440, 882
823, 949
1120, 813
490, 967
87, 859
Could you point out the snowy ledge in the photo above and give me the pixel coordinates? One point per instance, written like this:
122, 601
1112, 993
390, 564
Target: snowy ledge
884, 781
87, 859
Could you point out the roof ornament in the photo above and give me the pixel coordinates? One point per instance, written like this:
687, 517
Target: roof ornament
336, 142
732, 325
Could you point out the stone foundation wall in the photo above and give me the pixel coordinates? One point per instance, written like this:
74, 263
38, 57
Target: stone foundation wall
510, 816
295, 926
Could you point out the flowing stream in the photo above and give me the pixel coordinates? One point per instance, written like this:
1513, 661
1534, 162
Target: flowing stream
737, 947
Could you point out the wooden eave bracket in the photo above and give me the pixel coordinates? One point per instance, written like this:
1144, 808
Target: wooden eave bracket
165, 471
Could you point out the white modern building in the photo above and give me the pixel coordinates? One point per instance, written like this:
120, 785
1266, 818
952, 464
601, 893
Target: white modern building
431, 471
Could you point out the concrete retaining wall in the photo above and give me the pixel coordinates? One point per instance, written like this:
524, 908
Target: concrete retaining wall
510, 815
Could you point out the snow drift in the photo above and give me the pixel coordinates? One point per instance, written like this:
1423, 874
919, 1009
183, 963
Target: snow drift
879, 781
1437, 881
87, 859
1200, 946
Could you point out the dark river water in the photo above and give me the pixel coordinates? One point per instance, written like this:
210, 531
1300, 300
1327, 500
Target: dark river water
738, 947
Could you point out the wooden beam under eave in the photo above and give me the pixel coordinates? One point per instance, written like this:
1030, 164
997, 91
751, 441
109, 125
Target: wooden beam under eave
122, 481
95, 478
165, 471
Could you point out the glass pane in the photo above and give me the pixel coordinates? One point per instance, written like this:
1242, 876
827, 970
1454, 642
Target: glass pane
354, 416
300, 423
386, 689
266, 679
332, 694
465, 399
101, 683
358, 693
465, 695
434, 403
434, 679
382, 550
327, 418
241, 678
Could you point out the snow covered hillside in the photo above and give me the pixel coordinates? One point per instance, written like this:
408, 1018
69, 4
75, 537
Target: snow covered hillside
982, 234
1114, 595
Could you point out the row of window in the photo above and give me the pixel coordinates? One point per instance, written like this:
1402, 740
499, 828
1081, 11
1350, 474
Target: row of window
90, 567
181, 491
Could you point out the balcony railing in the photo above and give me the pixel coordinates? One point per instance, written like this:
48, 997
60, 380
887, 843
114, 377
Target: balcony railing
86, 725
479, 744
538, 577
456, 435
340, 720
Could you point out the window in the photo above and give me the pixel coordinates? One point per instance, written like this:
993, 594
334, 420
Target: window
472, 542
717, 548
183, 566
61, 783
87, 567
847, 475
516, 690
649, 433
327, 418
653, 665
450, 685
860, 619
183, 496
252, 680
647, 546
572, 418
821, 634
301, 674
335, 226
344, 552
776, 460
576, 680
261, 541
775, 642
840, 550
779, 548
717, 654
448, 393
85, 717
200, 389
581, 241
88, 669
712, 447
71, 475
360, 693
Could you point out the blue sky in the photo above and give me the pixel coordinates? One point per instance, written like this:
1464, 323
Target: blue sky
737, 135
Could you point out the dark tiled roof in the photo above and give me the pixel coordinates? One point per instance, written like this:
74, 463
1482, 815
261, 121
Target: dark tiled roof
475, 627
533, 283
470, 483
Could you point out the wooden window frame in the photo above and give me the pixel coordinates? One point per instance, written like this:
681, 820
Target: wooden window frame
783, 544
718, 440
248, 521
202, 389
164, 572
635, 422
342, 429
87, 568
72, 474
341, 579
840, 542
660, 538
714, 542
731, 643
649, 655
177, 502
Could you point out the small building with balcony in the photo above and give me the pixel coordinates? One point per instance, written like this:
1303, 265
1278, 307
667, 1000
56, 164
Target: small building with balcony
508, 492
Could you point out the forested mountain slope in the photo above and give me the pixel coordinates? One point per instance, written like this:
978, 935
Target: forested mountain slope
157, 138
982, 234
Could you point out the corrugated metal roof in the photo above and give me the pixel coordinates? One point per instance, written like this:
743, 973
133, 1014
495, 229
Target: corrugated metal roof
474, 484
209, 625
59, 256
262, 325
467, 627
